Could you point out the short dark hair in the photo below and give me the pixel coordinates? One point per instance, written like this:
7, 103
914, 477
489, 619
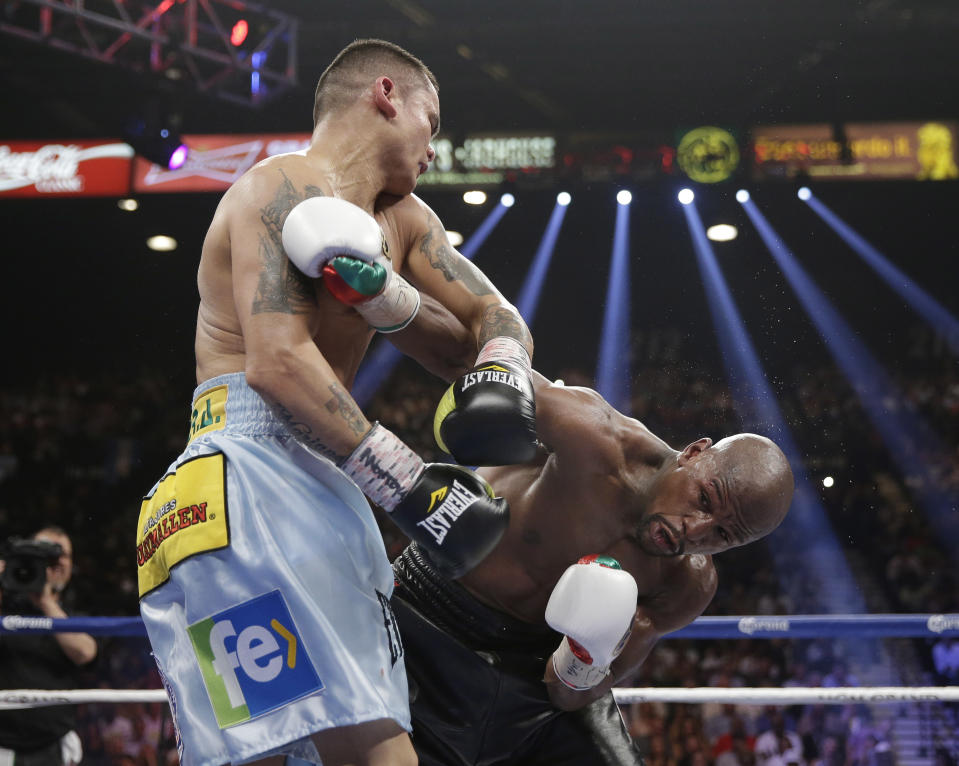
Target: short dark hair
356, 64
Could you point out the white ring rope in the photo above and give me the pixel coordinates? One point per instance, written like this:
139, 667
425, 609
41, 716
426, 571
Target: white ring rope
13, 699
799, 695
796, 695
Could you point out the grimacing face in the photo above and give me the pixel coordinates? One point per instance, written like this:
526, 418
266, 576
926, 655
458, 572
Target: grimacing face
701, 506
416, 124
717, 497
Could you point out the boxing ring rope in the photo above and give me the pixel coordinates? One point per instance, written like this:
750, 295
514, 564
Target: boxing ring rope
757, 627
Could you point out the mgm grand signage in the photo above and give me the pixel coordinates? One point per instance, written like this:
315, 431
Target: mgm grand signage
481, 160
921, 151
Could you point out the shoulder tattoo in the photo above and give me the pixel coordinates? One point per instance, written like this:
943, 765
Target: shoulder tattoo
282, 288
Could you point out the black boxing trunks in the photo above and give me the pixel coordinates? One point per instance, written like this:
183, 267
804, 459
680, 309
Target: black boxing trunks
477, 695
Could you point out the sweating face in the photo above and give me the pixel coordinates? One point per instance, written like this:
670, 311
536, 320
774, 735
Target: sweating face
717, 497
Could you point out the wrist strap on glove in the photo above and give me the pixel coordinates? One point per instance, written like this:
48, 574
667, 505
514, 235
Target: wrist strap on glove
574, 667
504, 349
394, 308
383, 467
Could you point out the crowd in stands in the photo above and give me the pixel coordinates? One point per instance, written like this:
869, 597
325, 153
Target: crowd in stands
80, 450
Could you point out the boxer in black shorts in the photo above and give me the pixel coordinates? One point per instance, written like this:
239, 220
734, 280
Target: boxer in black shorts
488, 684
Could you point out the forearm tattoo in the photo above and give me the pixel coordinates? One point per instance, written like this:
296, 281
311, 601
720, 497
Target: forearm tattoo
499, 321
441, 256
342, 404
304, 434
282, 288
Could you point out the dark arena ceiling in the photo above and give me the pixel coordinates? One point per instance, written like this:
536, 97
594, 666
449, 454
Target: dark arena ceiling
558, 66
553, 64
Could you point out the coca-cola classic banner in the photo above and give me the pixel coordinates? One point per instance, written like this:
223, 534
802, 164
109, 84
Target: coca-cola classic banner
108, 168
64, 169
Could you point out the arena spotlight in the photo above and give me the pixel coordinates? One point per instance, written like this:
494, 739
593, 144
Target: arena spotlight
742, 196
613, 371
129, 204
901, 430
685, 196
239, 32
944, 322
828, 481
532, 288
624, 197
474, 197
159, 144
161, 243
455, 238
759, 411
563, 198
804, 193
507, 200
722, 232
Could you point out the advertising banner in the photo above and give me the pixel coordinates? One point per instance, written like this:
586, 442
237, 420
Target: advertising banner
214, 161
88, 168
922, 151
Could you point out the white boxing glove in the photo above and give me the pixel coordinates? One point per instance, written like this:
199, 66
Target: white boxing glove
320, 228
593, 605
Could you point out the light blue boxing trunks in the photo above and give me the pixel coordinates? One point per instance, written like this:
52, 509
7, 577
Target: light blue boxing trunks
264, 586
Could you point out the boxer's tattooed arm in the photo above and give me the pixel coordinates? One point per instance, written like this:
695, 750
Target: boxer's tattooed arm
282, 288
499, 321
342, 404
441, 256
304, 434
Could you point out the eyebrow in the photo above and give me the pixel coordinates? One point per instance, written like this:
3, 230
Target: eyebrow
738, 527
436, 116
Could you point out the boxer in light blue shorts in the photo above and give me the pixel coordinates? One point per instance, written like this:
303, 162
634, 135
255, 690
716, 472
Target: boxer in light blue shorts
264, 586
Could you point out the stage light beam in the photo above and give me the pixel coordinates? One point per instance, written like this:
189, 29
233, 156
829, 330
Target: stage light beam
760, 413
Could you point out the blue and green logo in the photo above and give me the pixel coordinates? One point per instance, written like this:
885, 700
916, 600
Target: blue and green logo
252, 659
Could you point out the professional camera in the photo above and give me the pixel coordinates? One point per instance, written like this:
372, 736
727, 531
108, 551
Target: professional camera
26, 562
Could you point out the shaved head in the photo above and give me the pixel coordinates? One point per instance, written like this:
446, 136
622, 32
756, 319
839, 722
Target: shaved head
358, 65
760, 476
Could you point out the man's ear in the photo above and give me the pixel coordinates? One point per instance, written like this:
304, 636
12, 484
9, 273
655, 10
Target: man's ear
694, 449
384, 90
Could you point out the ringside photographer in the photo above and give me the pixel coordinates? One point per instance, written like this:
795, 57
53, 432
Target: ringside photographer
34, 573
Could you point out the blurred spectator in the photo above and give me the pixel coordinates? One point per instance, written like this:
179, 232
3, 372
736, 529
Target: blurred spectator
777, 746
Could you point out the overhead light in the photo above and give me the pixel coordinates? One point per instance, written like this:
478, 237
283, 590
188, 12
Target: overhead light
563, 199
161, 145
239, 32
474, 197
455, 238
128, 204
804, 193
624, 197
507, 200
742, 196
686, 196
722, 232
828, 481
161, 243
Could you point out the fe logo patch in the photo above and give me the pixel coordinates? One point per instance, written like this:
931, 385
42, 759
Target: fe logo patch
252, 659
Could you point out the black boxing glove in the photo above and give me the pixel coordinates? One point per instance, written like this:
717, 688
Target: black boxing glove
488, 415
450, 511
